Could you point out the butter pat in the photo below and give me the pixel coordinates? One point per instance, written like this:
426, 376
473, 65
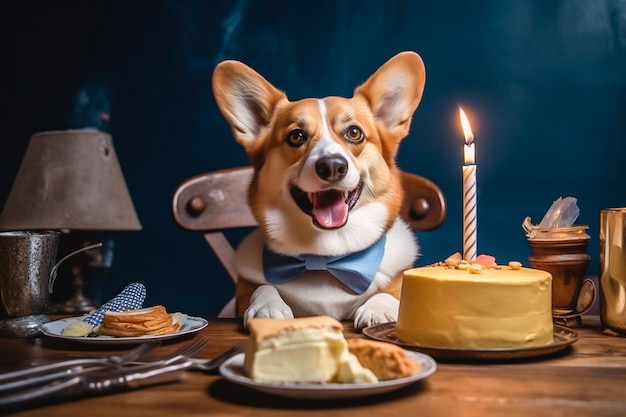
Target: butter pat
309, 350
77, 329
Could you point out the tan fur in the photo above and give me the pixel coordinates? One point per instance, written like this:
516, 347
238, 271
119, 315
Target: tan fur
262, 119
395, 287
243, 291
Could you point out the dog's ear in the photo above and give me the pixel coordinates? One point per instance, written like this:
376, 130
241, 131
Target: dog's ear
246, 100
394, 92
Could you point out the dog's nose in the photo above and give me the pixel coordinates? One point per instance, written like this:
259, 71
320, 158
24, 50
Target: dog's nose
331, 168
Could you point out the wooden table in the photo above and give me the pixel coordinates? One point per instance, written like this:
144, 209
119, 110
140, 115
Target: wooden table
588, 379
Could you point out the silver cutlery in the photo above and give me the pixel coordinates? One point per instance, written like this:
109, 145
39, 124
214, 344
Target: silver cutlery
213, 364
132, 375
184, 352
205, 365
108, 381
115, 361
23, 374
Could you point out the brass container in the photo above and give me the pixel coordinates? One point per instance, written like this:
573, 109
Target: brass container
613, 269
563, 253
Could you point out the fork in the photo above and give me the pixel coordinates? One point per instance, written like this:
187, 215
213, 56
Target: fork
188, 350
114, 361
130, 376
131, 355
213, 364
22, 378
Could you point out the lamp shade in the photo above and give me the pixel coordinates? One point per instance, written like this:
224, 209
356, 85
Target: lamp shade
70, 180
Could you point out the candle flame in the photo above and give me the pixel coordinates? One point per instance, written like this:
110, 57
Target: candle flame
467, 129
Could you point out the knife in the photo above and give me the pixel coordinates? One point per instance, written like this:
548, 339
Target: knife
38, 374
108, 382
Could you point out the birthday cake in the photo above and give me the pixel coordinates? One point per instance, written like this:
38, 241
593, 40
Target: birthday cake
461, 305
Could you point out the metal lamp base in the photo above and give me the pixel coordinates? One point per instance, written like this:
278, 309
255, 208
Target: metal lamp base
25, 326
79, 304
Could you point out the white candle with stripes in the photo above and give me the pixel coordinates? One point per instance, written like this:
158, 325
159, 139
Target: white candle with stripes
470, 229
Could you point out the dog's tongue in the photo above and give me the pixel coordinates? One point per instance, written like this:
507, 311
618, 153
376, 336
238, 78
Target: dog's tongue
330, 209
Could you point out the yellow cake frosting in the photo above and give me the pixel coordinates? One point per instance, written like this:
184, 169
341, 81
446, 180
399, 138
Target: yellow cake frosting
497, 307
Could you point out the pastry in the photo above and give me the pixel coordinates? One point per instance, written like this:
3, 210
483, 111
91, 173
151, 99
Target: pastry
385, 360
153, 320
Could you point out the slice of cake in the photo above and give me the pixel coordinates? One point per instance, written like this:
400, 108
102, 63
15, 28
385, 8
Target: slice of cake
472, 306
308, 350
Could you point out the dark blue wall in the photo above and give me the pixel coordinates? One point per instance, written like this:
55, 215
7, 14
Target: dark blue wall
544, 84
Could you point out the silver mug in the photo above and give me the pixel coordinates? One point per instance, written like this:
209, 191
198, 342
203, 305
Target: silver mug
26, 261
613, 269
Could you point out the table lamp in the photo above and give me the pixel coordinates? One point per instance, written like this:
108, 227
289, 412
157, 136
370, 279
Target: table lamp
71, 181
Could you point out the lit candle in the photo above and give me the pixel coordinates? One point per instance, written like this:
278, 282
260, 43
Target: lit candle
469, 191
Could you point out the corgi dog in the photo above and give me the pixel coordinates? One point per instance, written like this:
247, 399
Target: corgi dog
326, 194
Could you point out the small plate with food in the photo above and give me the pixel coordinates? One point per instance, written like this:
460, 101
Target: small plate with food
233, 370
310, 358
132, 326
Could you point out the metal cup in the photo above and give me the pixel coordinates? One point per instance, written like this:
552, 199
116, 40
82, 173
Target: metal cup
613, 269
26, 260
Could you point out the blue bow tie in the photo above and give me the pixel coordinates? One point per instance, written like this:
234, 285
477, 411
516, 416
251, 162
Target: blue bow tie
355, 270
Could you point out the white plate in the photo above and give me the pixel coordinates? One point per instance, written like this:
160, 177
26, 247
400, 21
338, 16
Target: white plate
233, 371
55, 329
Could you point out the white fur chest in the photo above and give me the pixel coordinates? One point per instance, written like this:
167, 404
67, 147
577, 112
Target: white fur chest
318, 292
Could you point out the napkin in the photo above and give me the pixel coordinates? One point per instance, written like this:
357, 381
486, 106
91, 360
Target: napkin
562, 214
131, 298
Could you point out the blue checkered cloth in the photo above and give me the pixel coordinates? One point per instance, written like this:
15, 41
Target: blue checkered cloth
131, 298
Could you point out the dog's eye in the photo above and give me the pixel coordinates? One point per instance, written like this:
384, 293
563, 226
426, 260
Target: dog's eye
354, 134
297, 137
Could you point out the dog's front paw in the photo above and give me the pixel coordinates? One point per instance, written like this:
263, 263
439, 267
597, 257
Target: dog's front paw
381, 308
269, 311
267, 303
